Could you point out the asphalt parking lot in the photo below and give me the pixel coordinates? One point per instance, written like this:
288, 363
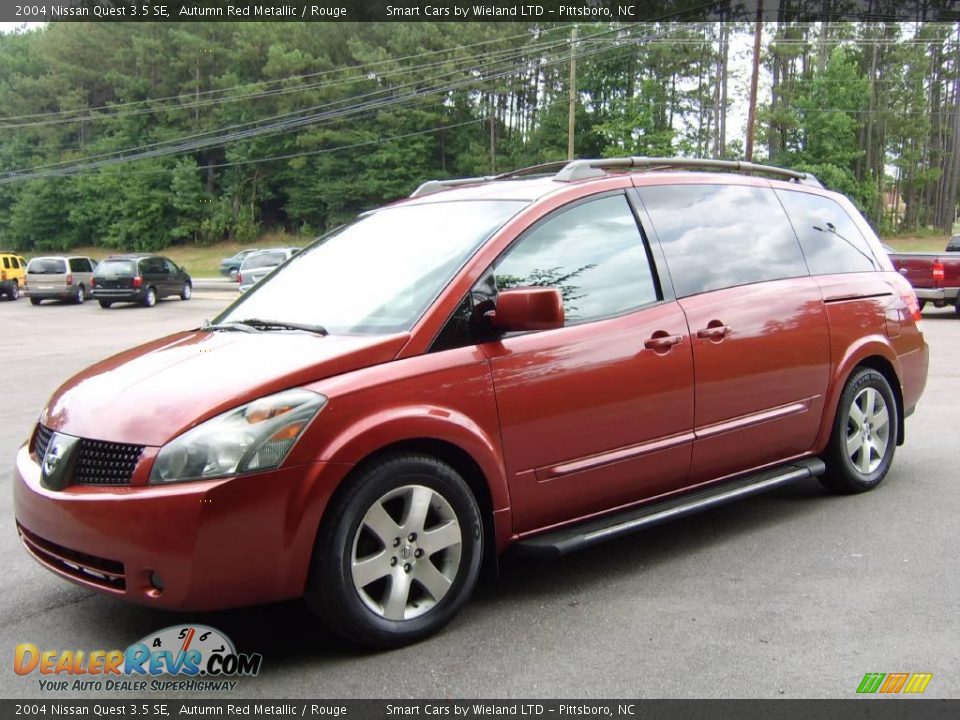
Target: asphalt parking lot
792, 594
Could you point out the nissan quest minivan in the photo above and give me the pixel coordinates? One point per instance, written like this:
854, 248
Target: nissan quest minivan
536, 361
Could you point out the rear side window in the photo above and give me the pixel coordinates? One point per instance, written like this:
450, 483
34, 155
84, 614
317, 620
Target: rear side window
830, 239
79, 265
117, 268
720, 236
593, 253
6, 262
47, 266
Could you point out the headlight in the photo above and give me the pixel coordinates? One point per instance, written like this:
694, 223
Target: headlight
256, 436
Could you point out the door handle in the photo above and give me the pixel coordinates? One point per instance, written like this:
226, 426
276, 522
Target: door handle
714, 332
663, 342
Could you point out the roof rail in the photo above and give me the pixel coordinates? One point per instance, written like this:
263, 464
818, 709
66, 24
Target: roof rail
584, 169
435, 186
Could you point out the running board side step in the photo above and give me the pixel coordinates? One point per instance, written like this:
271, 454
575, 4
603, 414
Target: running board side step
577, 537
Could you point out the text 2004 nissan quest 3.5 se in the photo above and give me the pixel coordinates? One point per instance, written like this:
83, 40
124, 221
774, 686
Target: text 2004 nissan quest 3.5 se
537, 361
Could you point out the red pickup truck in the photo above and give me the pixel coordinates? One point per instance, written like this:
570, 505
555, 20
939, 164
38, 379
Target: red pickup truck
935, 276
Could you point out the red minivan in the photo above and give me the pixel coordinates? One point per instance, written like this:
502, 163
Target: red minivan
537, 361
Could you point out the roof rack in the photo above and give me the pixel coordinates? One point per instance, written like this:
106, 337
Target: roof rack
573, 170
584, 169
434, 186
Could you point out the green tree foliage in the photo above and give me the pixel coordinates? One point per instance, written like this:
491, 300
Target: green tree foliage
873, 109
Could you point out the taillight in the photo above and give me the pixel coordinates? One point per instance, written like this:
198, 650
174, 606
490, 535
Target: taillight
937, 272
93, 282
3, 274
913, 305
69, 279
137, 281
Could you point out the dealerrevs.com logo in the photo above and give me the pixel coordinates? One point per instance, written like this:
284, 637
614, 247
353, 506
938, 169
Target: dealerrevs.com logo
203, 655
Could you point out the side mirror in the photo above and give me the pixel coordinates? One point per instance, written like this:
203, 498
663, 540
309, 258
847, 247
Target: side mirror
529, 308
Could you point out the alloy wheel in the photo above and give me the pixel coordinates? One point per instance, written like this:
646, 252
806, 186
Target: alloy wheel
868, 430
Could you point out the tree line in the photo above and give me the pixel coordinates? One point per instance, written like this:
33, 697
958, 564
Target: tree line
139, 136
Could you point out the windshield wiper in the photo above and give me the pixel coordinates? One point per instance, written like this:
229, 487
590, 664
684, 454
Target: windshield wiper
241, 327
261, 324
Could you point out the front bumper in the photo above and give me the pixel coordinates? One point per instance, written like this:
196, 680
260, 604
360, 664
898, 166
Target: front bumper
937, 295
214, 544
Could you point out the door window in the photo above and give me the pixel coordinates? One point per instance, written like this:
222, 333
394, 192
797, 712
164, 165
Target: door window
719, 236
592, 252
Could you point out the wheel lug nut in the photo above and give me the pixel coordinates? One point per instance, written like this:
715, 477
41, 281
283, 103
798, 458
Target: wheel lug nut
418, 553
406, 567
393, 561
412, 537
396, 542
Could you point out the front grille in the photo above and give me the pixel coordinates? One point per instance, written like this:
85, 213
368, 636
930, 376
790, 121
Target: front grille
41, 438
105, 463
104, 573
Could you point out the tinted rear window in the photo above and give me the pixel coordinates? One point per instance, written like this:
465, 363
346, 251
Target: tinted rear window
831, 241
123, 268
719, 236
46, 266
264, 260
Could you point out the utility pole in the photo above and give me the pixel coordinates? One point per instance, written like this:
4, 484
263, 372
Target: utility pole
572, 116
493, 140
752, 114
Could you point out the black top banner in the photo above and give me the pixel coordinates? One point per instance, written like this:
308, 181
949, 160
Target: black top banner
489, 709
546, 11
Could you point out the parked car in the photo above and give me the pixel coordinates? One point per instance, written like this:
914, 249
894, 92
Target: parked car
12, 274
953, 244
231, 266
139, 278
935, 277
534, 363
258, 265
60, 277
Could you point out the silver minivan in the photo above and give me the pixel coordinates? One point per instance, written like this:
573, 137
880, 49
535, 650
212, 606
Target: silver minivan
59, 277
258, 265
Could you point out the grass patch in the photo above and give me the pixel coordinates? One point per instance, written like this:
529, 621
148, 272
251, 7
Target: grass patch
199, 261
913, 243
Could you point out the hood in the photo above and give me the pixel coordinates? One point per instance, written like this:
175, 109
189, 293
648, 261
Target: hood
152, 393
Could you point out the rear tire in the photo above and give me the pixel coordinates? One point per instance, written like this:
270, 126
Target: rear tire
956, 305
864, 436
150, 297
105, 304
398, 553
14, 292
81, 295
35, 301
922, 303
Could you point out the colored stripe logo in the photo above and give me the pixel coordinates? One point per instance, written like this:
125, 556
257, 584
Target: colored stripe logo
893, 683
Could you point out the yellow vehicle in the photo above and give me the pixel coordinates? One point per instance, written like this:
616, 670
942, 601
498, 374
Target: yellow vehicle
13, 270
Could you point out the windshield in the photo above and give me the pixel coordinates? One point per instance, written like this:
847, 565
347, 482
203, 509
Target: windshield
378, 274
265, 259
123, 268
46, 266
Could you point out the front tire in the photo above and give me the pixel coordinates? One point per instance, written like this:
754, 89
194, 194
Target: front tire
186, 291
864, 436
398, 554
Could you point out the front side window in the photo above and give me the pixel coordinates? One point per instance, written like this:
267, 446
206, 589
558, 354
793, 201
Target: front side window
378, 274
720, 236
831, 241
592, 252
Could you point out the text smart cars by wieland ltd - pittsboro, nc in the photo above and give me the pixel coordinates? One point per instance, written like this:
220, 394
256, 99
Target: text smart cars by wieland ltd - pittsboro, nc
538, 361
